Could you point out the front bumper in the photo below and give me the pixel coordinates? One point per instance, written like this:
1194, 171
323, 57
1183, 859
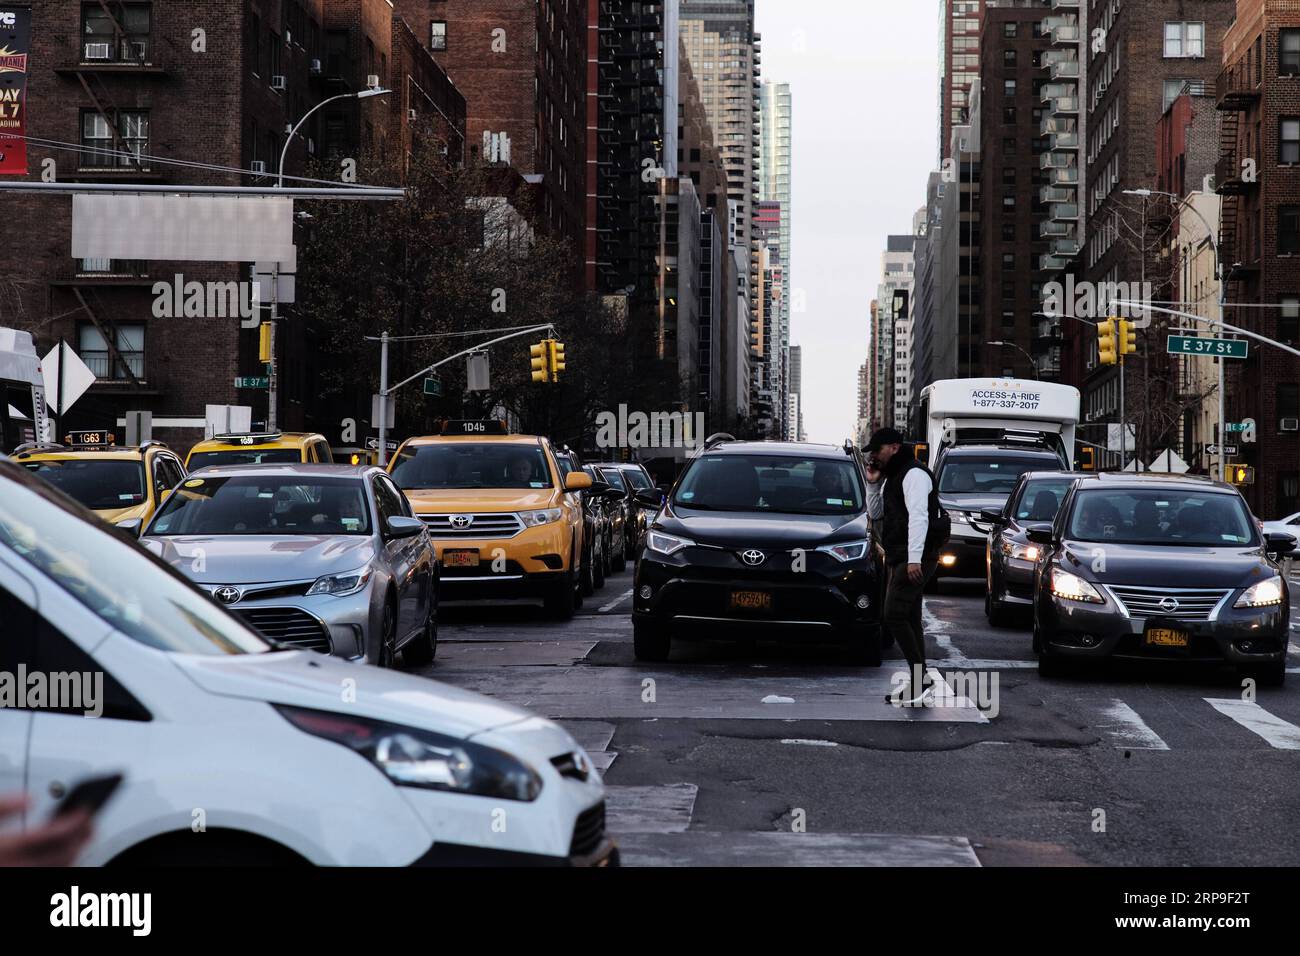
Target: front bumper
526, 565
965, 555
695, 598
1232, 635
455, 854
321, 622
1015, 582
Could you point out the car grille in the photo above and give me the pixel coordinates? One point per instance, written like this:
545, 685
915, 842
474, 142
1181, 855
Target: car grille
501, 525
1193, 604
290, 625
589, 831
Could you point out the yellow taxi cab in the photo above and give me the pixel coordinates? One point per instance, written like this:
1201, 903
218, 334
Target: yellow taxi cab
250, 448
504, 520
123, 484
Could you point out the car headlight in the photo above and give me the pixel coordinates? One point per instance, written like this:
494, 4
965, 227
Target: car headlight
958, 517
666, 544
1071, 587
350, 582
535, 519
848, 550
1263, 594
410, 757
1020, 552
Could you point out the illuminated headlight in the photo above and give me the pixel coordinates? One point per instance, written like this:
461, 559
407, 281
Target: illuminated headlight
958, 517
1021, 552
848, 550
535, 519
666, 544
410, 757
341, 584
1263, 594
1071, 587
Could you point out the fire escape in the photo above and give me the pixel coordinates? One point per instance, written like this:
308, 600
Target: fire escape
1234, 97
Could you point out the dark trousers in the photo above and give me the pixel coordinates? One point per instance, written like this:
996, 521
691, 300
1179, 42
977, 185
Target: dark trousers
902, 611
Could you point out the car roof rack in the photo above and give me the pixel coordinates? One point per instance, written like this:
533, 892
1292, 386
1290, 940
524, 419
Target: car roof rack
26, 448
718, 438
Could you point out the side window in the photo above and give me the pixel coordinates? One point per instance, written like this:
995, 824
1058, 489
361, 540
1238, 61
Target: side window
73, 682
309, 453
160, 476
390, 503
323, 453
173, 470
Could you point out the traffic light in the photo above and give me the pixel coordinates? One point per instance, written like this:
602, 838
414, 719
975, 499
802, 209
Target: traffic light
1127, 338
1241, 474
264, 342
541, 361
557, 359
1107, 353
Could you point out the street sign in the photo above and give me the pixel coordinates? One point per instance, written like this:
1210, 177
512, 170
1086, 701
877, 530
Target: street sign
383, 411
66, 378
1214, 449
1169, 462
253, 381
478, 374
1196, 345
373, 444
433, 386
1234, 428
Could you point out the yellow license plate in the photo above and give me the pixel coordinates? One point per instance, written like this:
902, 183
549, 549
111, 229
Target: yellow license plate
751, 600
1165, 637
460, 559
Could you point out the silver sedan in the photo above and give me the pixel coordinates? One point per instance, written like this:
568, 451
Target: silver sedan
326, 557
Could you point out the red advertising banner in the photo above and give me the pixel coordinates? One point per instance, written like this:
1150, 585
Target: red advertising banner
15, 44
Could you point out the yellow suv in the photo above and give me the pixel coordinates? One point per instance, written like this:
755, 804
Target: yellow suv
504, 520
260, 449
124, 485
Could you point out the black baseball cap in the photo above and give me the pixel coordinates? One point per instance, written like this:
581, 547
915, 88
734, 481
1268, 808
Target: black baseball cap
885, 436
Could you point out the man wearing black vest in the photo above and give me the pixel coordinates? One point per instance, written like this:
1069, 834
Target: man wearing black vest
903, 503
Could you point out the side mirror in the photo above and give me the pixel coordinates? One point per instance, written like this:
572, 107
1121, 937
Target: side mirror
1280, 543
401, 526
577, 481
133, 526
1040, 534
650, 498
991, 516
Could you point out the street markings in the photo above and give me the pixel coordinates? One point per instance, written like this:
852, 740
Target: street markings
593, 736
605, 609
1121, 723
481, 654
1277, 732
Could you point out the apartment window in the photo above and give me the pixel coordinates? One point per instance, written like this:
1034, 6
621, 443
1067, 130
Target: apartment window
1288, 52
1288, 323
1009, 175
1009, 87
1289, 140
111, 267
128, 339
100, 39
1008, 260
97, 137
1008, 232
438, 35
1288, 490
1009, 31
1184, 39
1009, 115
1173, 90
1288, 400
1288, 230
1008, 57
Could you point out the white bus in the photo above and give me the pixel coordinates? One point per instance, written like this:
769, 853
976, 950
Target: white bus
1001, 411
22, 392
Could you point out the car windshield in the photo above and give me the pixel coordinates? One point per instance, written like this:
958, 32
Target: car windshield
101, 485
244, 456
115, 578
256, 504
1041, 499
1161, 517
472, 465
784, 484
615, 478
637, 478
989, 475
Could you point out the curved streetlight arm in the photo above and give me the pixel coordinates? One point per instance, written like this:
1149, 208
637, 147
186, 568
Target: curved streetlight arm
359, 95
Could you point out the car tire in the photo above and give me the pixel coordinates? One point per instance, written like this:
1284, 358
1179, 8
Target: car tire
650, 642
620, 559
587, 575
996, 612
1051, 665
1267, 675
421, 651
387, 634
863, 647
560, 601
598, 564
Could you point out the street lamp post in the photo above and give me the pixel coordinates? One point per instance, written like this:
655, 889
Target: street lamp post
1012, 345
1223, 288
272, 378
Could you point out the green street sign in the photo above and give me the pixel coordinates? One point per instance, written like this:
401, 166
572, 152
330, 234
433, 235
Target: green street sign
433, 386
253, 382
1234, 428
1217, 348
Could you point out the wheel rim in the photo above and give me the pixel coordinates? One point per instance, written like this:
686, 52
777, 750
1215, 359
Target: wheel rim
386, 637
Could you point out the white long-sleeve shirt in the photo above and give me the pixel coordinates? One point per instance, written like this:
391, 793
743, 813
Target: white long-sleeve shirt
916, 492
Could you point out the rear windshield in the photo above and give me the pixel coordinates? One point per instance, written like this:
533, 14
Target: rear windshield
102, 485
638, 478
1161, 517
472, 465
989, 475
244, 456
615, 478
784, 485
1041, 499
254, 504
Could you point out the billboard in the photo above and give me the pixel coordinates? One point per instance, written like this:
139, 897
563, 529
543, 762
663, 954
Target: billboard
15, 43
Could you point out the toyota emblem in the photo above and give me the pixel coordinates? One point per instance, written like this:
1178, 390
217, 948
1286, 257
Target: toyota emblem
1169, 605
227, 595
462, 521
753, 557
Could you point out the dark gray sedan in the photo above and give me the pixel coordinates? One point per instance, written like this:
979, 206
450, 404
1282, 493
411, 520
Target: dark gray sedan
326, 557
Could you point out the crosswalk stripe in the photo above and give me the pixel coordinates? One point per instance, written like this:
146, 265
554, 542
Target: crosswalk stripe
616, 602
1276, 732
1122, 724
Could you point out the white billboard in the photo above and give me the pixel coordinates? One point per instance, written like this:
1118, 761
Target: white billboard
182, 228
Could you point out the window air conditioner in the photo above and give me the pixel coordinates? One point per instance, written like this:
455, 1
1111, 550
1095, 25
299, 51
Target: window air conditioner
1289, 425
97, 51
258, 166
277, 83
315, 67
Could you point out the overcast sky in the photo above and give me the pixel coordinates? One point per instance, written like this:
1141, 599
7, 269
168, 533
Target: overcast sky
864, 83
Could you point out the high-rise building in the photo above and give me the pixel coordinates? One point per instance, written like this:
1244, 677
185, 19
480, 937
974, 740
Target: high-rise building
794, 430
774, 189
892, 306
957, 328
959, 59
929, 350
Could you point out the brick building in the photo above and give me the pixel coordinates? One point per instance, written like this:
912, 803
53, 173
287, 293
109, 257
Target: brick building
1258, 94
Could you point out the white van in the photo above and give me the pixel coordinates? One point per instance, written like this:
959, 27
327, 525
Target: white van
1002, 411
22, 392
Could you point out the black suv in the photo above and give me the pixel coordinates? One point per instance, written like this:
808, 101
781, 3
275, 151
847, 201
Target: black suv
761, 539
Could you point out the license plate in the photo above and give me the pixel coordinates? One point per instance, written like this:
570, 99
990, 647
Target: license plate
1166, 637
460, 559
751, 600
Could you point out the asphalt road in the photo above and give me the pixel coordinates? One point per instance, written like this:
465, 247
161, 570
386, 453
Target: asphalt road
734, 754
